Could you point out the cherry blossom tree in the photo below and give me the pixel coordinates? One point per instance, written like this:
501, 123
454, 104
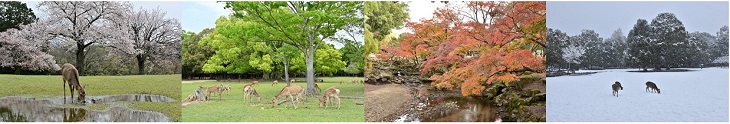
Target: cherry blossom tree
153, 37
81, 24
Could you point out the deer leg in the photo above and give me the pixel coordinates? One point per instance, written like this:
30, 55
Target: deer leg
338, 102
64, 91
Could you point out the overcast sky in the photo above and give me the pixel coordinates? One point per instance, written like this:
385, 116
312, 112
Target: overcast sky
172, 8
419, 10
605, 17
201, 14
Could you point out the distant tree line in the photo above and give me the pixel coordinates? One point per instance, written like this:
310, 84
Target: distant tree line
663, 43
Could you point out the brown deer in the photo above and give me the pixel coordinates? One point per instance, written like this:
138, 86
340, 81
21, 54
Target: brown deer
341, 82
71, 76
248, 91
329, 95
290, 92
616, 86
227, 89
275, 82
651, 87
216, 89
317, 86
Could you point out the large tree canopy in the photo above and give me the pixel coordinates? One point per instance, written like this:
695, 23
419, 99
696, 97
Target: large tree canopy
300, 24
474, 44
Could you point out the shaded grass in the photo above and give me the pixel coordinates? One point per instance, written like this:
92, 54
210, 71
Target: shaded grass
232, 108
51, 86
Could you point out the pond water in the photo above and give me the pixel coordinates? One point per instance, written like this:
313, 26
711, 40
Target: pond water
25, 109
438, 106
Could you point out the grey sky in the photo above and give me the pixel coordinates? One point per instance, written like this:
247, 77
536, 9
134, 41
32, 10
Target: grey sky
605, 17
172, 8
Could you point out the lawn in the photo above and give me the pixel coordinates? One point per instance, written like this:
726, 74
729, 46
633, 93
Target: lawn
232, 108
51, 86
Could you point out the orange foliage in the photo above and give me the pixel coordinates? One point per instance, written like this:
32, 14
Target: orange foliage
494, 30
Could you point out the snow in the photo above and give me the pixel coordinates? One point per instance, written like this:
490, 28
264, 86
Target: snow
700, 95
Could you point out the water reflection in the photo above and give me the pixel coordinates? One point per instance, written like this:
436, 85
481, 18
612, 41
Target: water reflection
23, 109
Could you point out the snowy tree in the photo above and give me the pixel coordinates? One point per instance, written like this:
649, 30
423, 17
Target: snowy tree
595, 55
640, 53
153, 37
617, 49
556, 41
81, 24
572, 55
21, 50
702, 42
670, 36
722, 42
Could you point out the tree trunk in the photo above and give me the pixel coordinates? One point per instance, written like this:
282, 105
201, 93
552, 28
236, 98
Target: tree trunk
140, 64
80, 58
310, 69
286, 72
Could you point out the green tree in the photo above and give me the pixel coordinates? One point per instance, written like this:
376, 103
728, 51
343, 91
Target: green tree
14, 13
384, 16
194, 55
352, 53
299, 23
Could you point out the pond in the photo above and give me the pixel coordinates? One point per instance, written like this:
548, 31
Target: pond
25, 109
440, 106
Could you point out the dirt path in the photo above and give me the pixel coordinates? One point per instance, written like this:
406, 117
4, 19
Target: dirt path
383, 102
195, 81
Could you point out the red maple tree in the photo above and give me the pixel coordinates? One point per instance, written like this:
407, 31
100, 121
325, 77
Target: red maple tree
476, 45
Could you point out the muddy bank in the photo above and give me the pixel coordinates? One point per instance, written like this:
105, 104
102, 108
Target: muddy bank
416, 103
25, 109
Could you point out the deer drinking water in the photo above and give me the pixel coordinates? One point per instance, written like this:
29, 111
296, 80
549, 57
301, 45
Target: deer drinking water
290, 92
329, 95
616, 86
651, 87
71, 76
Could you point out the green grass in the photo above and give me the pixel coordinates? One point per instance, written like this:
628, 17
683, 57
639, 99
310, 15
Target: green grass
232, 108
51, 86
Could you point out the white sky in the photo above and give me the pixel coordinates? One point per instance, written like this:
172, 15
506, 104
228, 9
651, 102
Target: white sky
172, 8
419, 10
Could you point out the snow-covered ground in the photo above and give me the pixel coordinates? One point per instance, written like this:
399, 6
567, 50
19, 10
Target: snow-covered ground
700, 95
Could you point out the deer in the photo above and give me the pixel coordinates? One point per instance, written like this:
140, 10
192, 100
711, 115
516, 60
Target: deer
329, 95
248, 90
293, 80
290, 92
215, 89
616, 86
275, 82
71, 77
651, 87
341, 82
227, 89
317, 86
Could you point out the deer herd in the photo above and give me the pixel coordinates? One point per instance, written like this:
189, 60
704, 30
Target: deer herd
292, 93
650, 87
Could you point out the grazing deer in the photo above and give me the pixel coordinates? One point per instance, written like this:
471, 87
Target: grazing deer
317, 86
651, 87
341, 82
616, 86
227, 88
71, 76
248, 91
275, 82
329, 95
290, 92
215, 89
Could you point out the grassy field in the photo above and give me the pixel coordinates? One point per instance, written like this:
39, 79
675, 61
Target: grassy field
232, 108
51, 86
